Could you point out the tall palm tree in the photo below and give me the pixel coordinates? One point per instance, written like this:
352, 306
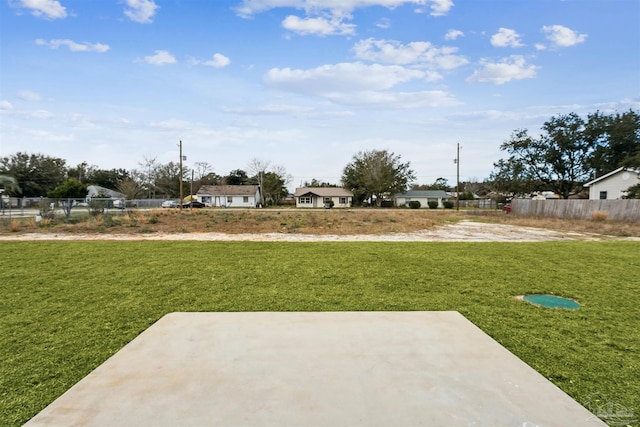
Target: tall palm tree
9, 183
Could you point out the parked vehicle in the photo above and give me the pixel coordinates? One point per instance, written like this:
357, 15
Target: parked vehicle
193, 204
169, 204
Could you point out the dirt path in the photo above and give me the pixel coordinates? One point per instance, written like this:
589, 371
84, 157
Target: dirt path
464, 231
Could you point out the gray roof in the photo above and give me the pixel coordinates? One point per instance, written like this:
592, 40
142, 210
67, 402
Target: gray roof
324, 192
424, 193
94, 190
228, 190
590, 183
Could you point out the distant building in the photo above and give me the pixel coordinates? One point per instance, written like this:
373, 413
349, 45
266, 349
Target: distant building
613, 185
97, 191
320, 197
229, 196
422, 196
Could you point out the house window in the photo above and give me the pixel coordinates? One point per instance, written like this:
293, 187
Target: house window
305, 200
245, 199
343, 200
603, 195
229, 200
327, 200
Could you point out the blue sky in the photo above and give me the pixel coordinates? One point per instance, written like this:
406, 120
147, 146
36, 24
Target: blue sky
306, 84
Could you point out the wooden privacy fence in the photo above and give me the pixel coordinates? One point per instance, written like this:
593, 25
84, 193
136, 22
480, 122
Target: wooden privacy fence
618, 210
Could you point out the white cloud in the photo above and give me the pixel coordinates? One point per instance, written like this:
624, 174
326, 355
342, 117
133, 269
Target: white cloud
540, 46
171, 124
561, 36
359, 84
383, 23
161, 57
317, 26
73, 46
394, 52
218, 61
512, 68
343, 77
6, 105
252, 7
453, 34
326, 17
141, 11
41, 114
48, 9
27, 95
506, 37
441, 7
396, 100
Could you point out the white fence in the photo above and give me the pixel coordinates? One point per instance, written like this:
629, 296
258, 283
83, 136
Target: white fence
618, 210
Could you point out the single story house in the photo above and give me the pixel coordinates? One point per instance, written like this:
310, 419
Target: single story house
230, 196
97, 191
613, 185
320, 197
422, 196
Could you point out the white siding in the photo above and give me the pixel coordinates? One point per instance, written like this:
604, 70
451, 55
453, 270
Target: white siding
236, 201
424, 201
615, 185
318, 202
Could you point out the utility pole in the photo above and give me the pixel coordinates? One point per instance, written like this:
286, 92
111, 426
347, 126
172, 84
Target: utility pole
180, 202
191, 193
457, 162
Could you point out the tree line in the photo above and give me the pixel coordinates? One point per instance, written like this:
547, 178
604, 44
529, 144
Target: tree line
39, 175
569, 152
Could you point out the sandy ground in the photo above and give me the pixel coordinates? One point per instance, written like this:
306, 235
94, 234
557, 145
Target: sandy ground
464, 231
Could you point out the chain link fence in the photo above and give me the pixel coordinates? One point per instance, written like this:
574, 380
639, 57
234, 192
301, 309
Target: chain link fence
51, 207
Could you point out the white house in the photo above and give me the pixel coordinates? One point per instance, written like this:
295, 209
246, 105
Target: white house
97, 191
230, 196
320, 197
613, 185
422, 196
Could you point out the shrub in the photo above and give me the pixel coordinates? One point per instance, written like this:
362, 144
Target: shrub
47, 210
414, 204
433, 205
96, 207
599, 216
448, 204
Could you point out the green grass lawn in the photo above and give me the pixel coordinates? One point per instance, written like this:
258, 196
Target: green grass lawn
65, 307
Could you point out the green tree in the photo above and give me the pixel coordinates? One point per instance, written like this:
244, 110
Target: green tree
376, 174
107, 178
167, 179
616, 139
82, 172
318, 183
274, 188
512, 179
71, 188
36, 174
558, 159
439, 184
9, 184
237, 177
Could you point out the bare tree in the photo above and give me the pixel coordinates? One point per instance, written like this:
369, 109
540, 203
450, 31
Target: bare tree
149, 168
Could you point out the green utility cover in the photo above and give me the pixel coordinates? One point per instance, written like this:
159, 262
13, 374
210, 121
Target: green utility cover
552, 301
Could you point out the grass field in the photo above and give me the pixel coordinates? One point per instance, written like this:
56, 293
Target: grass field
65, 307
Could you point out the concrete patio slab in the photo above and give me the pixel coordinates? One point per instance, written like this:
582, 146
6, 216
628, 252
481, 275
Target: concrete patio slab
314, 369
